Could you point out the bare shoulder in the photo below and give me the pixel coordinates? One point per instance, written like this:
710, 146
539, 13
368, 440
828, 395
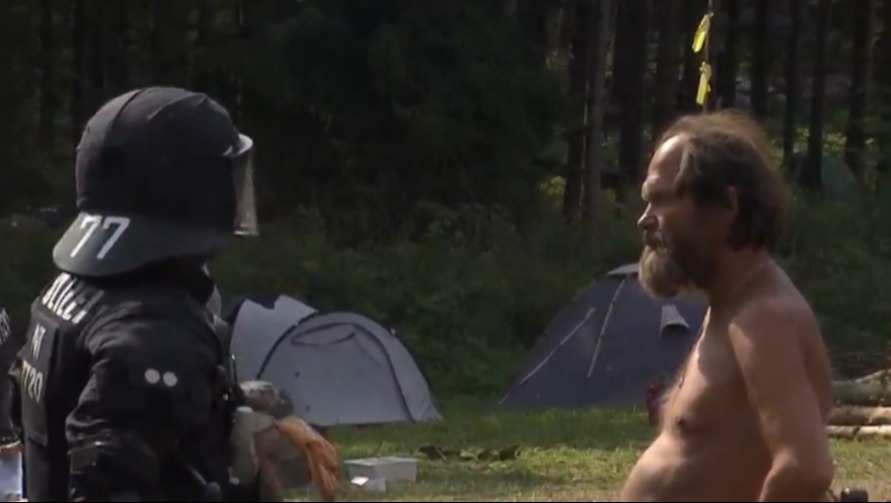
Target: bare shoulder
781, 317
778, 346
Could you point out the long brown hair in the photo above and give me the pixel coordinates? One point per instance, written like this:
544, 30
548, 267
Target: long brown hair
728, 148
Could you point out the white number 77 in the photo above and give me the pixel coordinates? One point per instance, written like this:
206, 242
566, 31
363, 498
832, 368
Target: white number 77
91, 223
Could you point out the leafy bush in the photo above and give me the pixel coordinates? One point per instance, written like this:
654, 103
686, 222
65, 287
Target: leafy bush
472, 294
469, 297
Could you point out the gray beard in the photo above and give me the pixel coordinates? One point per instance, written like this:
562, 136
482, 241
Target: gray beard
660, 274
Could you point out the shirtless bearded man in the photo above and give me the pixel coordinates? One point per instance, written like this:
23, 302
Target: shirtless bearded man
746, 419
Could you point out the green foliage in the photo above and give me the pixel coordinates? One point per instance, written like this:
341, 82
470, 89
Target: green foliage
838, 251
25, 265
471, 295
374, 113
21, 177
411, 156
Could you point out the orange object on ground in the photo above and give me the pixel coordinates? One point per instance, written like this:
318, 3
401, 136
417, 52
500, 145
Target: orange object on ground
321, 454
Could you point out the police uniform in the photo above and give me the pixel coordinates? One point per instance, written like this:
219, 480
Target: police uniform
123, 383
9, 347
10, 410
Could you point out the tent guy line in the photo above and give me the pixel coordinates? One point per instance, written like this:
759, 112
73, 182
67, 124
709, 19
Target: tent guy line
609, 313
606, 347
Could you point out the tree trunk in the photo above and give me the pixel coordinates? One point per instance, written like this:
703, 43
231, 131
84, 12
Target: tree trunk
78, 72
578, 77
790, 118
578, 84
883, 86
203, 75
668, 58
633, 19
244, 20
849, 415
859, 432
556, 38
48, 99
761, 58
620, 53
728, 68
119, 59
873, 390
599, 41
99, 40
861, 66
811, 176
170, 44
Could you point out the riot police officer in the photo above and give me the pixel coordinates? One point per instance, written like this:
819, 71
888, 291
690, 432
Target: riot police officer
123, 379
8, 350
10, 415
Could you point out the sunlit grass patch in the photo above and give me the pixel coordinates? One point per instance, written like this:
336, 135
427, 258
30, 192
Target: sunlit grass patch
563, 456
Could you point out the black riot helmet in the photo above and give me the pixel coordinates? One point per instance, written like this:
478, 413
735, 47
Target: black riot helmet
161, 173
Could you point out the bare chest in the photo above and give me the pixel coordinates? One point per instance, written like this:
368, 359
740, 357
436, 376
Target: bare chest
708, 391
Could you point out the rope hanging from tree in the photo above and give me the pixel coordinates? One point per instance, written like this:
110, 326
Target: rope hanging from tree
701, 44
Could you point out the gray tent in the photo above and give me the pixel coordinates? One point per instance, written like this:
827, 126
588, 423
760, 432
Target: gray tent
606, 347
339, 368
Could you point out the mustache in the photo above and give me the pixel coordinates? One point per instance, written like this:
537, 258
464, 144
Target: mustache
653, 240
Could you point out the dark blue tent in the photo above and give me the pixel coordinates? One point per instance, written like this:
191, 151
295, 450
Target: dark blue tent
606, 346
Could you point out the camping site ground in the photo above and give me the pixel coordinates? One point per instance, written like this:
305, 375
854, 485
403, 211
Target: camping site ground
562, 456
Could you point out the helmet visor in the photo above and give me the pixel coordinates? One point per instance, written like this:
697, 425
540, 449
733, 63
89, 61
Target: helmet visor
245, 202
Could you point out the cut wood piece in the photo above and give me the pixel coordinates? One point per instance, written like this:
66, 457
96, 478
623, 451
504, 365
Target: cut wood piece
873, 390
860, 432
850, 415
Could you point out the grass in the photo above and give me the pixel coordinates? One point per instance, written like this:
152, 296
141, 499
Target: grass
564, 456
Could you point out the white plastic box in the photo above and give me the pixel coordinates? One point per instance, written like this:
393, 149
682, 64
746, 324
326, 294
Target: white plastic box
390, 468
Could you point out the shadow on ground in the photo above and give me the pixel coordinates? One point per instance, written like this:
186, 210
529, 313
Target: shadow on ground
470, 427
453, 482
563, 455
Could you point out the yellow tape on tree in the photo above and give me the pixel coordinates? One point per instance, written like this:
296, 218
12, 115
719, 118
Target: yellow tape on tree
705, 86
700, 44
702, 32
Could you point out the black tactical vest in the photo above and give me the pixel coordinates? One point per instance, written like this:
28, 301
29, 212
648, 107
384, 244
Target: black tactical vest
56, 368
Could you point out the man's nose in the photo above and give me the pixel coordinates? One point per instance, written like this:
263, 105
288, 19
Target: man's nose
647, 220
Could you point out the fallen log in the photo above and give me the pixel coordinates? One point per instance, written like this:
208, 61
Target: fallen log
859, 432
851, 415
873, 390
